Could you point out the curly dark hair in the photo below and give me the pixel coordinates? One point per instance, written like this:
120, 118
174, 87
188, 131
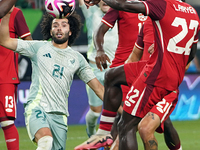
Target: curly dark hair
74, 23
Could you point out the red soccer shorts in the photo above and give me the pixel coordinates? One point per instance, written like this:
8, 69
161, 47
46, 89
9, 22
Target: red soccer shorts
143, 98
8, 97
132, 71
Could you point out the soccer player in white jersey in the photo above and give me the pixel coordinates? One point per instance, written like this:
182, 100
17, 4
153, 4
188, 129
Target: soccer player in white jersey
54, 64
93, 16
176, 26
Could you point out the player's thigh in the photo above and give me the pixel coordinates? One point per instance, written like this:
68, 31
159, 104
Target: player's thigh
35, 119
8, 96
165, 107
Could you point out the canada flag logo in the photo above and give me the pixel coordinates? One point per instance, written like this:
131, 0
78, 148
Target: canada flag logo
141, 17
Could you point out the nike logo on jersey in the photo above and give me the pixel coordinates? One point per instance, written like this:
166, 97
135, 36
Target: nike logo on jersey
47, 55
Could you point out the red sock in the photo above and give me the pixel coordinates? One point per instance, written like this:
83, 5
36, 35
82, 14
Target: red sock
107, 120
11, 137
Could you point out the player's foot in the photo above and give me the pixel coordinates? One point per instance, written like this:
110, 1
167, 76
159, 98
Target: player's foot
96, 141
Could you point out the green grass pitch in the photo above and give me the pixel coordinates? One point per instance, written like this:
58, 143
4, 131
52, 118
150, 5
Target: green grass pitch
189, 132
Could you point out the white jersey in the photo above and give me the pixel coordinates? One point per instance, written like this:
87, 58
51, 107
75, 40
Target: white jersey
52, 75
93, 17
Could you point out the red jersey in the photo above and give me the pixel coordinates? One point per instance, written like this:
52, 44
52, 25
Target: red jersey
129, 25
9, 59
145, 39
175, 26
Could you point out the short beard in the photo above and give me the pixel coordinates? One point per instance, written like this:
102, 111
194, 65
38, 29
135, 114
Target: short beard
60, 41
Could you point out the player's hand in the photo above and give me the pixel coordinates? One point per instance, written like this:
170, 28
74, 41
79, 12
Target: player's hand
101, 60
151, 49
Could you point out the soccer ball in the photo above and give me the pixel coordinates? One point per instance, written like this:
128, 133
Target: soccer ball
60, 8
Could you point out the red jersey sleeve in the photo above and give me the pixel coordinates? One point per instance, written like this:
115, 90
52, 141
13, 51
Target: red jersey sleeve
155, 9
139, 42
20, 25
110, 17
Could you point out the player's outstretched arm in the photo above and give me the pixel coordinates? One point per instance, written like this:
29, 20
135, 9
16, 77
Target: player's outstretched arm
129, 6
101, 58
5, 39
97, 87
5, 6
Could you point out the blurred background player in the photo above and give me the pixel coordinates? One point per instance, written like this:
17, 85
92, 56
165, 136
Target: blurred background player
93, 16
5, 6
9, 79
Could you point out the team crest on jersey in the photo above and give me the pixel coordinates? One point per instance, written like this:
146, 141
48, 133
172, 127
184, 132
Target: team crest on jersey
141, 17
71, 62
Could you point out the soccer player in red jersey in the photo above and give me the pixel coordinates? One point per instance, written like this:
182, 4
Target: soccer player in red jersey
127, 38
176, 27
5, 6
9, 79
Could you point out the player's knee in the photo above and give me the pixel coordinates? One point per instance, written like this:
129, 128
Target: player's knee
144, 131
6, 123
109, 76
45, 143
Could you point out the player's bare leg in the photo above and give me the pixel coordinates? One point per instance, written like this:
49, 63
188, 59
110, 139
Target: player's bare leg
146, 129
127, 132
171, 136
114, 77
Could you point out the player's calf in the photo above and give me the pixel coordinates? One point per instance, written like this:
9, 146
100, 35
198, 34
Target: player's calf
10, 133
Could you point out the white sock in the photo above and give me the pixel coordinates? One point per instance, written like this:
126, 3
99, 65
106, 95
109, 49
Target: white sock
91, 121
104, 132
45, 143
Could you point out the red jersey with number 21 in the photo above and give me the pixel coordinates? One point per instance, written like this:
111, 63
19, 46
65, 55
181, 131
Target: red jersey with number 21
175, 26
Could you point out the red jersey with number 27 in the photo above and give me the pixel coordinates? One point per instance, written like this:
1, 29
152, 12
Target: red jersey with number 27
9, 59
176, 27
